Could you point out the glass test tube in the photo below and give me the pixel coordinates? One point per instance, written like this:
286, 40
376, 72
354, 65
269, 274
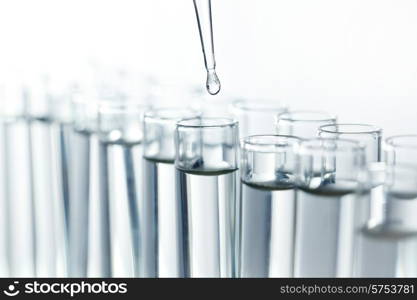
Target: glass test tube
206, 162
18, 250
160, 214
367, 254
50, 250
398, 228
61, 129
4, 226
257, 117
303, 124
121, 135
267, 227
401, 150
84, 107
401, 224
327, 171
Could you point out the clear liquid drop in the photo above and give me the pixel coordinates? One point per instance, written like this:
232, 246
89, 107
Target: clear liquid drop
213, 83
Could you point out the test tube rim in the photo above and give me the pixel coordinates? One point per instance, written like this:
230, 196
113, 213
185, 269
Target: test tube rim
390, 141
287, 116
373, 129
227, 122
247, 144
354, 145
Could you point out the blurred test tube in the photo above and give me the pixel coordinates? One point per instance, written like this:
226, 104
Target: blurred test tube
19, 219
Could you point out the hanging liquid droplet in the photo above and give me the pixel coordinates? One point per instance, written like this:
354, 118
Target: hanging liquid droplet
213, 83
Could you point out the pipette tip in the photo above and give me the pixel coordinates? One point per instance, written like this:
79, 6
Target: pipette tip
213, 83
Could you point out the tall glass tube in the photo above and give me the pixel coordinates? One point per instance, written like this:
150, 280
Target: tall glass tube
257, 117
121, 135
398, 227
303, 124
61, 129
84, 107
206, 162
18, 202
4, 226
161, 215
401, 222
267, 227
327, 171
401, 152
368, 253
50, 254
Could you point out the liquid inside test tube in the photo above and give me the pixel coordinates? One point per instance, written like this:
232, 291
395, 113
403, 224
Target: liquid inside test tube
204, 20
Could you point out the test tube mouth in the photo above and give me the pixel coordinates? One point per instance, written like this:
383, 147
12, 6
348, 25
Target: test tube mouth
206, 122
306, 116
350, 128
329, 144
170, 114
263, 105
269, 143
402, 141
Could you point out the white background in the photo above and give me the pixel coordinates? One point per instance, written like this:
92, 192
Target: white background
354, 58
